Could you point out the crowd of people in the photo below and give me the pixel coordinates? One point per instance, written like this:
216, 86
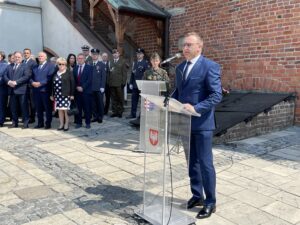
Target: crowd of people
36, 87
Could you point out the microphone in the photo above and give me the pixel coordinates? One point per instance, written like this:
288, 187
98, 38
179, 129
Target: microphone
176, 56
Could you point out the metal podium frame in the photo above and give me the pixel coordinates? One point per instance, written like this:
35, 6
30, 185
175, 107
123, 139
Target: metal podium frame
159, 208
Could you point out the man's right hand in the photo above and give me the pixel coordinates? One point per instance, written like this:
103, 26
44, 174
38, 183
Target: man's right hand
130, 86
36, 84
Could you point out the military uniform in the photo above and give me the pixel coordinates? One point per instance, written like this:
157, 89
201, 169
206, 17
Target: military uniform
156, 75
88, 59
116, 81
153, 75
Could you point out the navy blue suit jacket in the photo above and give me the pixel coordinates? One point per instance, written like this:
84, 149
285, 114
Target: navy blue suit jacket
99, 76
3, 67
202, 89
21, 76
30, 64
44, 76
85, 79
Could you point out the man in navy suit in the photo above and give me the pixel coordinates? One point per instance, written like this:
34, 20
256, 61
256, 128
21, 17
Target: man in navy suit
98, 86
17, 78
30, 63
198, 86
3, 88
83, 75
41, 82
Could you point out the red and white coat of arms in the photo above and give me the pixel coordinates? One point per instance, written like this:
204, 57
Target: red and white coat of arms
153, 136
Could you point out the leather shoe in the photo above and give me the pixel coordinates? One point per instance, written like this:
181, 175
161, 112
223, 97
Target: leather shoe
60, 128
94, 120
206, 212
88, 126
66, 129
119, 115
99, 121
193, 202
38, 126
31, 120
78, 126
47, 127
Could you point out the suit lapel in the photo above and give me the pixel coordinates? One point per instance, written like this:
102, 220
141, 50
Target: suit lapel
195, 68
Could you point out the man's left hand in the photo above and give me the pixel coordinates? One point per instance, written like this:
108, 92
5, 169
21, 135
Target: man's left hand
189, 107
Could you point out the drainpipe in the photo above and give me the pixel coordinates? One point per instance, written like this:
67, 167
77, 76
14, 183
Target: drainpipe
167, 38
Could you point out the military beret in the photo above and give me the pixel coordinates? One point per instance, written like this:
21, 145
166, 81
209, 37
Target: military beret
140, 50
85, 47
95, 51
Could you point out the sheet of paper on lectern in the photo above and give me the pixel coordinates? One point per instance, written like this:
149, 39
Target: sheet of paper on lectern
174, 105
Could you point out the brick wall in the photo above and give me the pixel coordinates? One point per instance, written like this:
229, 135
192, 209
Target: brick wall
256, 42
278, 118
144, 35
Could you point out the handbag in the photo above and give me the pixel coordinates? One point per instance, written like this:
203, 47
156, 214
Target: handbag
73, 109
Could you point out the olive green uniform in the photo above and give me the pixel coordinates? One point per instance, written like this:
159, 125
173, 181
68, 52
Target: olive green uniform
156, 75
116, 81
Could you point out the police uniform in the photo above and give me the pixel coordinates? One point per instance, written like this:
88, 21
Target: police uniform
98, 88
138, 70
88, 59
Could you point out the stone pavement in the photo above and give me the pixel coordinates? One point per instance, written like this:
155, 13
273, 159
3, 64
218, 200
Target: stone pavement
95, 177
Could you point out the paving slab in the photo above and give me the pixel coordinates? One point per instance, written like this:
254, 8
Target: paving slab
96, 177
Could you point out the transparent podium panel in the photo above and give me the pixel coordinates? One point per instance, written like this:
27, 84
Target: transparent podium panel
166, 182
152, 88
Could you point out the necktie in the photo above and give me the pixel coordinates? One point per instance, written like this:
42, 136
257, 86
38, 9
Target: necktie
94, 64
184, 75
15, 68
40, 66
79, 74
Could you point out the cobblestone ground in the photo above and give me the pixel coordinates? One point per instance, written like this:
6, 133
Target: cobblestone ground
96, 177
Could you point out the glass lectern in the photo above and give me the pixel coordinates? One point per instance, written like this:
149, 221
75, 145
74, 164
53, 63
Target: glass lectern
164, 138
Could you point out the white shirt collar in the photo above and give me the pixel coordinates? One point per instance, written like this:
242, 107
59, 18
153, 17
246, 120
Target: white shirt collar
194, 60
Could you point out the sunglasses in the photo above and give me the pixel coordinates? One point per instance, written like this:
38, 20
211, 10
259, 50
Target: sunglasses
60, 64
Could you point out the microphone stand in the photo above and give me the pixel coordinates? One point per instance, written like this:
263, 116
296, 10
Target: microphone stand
167, 95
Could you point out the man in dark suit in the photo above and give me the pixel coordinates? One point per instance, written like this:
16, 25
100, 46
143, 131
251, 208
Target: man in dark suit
3, 88
116, 81
30, 63
17, 78
138, 69
83, 75
41, 81
198, 86
98, 86
105, 61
